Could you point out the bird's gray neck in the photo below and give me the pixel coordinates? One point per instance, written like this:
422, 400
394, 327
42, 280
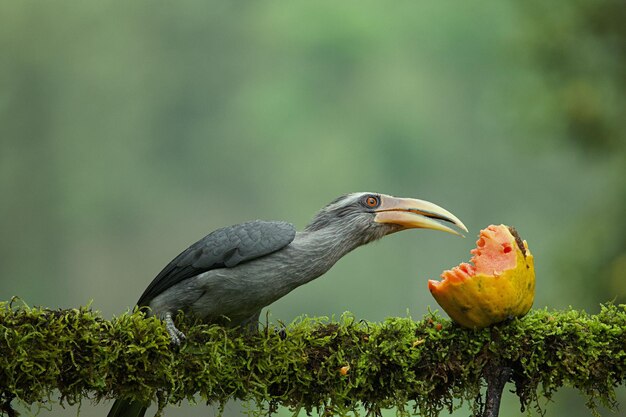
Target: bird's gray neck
312, 253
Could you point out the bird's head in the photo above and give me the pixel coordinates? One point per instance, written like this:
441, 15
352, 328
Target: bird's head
369, 216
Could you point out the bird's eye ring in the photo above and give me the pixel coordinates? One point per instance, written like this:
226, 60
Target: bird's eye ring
372, 201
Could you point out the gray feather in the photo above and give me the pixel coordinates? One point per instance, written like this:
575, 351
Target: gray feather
127, 408
225, 247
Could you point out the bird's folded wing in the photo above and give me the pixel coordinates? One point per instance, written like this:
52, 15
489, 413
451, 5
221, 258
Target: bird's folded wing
223, 248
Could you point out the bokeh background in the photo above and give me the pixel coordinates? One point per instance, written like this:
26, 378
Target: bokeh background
128, 130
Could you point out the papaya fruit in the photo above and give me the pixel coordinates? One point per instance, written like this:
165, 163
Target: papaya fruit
498, 282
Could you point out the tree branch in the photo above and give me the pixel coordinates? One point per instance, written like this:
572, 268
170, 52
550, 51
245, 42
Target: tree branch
496, 375
315, 364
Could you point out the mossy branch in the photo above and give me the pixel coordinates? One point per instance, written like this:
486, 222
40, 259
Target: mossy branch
312, 364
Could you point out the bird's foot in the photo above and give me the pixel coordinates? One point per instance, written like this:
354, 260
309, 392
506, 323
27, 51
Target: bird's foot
176, 336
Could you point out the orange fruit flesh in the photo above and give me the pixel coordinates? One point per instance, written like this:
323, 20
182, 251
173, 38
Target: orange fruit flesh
492, 255
498, 283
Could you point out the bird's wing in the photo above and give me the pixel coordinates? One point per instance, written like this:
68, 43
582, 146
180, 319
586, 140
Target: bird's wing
223, 248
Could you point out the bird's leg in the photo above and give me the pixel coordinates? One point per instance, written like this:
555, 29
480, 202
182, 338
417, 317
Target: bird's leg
176, 336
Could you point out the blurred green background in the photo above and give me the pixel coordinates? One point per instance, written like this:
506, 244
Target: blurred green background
128, 130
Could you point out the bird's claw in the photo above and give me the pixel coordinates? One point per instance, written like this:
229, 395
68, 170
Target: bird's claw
176, 336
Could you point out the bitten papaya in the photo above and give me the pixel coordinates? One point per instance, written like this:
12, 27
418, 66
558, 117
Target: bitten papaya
498, 283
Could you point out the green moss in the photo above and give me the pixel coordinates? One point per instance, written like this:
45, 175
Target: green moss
417, 366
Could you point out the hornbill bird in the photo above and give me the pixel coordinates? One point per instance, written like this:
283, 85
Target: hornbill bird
228, 276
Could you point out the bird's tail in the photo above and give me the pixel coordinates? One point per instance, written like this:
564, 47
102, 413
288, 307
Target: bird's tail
127, 408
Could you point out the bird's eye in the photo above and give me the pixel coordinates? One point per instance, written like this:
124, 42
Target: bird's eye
372, 201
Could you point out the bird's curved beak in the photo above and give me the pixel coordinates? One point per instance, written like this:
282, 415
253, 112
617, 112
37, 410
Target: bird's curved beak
411, 213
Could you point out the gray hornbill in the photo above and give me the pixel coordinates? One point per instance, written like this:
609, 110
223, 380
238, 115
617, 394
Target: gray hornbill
232, 273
